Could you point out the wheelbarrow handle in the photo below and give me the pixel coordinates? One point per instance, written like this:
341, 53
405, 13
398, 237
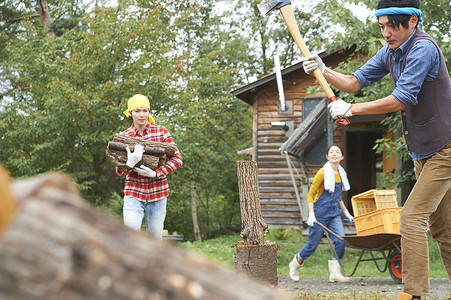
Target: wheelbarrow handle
329, 231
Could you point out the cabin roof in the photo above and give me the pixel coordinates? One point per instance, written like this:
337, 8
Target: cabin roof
248, 91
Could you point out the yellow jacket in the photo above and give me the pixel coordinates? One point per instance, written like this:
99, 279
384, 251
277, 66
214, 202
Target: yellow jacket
317, 186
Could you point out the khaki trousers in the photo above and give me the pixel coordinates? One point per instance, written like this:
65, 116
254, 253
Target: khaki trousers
429, 201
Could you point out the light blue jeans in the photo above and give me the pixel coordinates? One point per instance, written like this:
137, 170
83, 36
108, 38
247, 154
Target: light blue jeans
155, 212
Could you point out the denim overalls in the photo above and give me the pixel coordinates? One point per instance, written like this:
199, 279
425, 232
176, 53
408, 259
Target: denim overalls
327, 213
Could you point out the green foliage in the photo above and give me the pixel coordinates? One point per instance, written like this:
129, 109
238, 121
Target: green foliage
211, 125
74, 90
70, 91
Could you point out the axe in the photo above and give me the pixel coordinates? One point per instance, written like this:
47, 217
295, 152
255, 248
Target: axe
288, 16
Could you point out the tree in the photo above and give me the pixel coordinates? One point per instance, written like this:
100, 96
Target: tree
211, 126
73, 88
64, 116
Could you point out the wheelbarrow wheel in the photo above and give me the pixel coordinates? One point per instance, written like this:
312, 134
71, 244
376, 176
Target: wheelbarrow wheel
395, 266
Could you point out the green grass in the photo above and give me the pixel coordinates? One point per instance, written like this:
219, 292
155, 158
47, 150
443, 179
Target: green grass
290, 241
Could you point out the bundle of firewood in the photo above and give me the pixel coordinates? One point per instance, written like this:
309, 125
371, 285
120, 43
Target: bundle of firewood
155, 153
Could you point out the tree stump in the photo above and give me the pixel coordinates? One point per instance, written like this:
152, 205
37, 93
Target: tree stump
59, 247
253, 257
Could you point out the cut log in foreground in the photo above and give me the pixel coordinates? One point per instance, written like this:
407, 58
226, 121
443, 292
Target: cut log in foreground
7, 202
155, 153
58, 247
254, 257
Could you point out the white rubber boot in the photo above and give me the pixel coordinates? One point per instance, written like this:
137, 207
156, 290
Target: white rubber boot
294, 267
334, 272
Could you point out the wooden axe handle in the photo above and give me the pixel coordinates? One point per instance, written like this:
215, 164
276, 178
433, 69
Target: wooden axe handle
288, 16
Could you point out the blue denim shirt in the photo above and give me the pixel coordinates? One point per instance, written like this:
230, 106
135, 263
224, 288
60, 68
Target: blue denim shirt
423, 63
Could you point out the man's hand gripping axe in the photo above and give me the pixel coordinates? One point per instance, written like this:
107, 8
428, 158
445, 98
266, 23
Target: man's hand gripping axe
288, 16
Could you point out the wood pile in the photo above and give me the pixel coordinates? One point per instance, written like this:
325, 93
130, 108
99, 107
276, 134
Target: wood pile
155, 153
56, 246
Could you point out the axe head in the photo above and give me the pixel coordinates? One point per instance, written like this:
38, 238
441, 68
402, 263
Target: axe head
266, 8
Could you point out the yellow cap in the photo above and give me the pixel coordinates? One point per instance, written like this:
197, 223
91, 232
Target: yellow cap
138, 101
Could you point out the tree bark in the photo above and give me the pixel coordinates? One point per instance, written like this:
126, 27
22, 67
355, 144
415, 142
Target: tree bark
58, 247
168, 148
147, 150
258, 261
112, 178
197, 235
45, 15
119, 158
253, 257
155, 153
252, 225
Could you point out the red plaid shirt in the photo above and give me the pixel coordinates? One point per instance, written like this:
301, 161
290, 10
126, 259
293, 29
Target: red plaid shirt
146, 188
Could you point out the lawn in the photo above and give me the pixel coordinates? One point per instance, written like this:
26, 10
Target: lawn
290, 241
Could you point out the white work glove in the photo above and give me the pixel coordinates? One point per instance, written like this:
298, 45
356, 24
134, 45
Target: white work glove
134, 157
311, 63
339, 109
145, 171
311, 219
348, 216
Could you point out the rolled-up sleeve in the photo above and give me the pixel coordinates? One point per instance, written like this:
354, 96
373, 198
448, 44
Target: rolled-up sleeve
422, 63
374, 70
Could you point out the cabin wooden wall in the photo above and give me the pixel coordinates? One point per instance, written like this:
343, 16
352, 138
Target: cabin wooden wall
278, 199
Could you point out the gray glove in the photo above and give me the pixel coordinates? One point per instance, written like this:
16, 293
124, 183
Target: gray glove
311, 63
134, 157
145, 171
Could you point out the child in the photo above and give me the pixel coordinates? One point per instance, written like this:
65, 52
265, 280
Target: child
325, 204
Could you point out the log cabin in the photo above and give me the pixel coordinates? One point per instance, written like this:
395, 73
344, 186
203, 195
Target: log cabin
290, 144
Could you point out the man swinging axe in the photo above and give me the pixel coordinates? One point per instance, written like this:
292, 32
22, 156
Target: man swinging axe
422, 94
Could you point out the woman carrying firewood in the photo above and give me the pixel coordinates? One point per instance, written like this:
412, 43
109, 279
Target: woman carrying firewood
325, 205
146, 190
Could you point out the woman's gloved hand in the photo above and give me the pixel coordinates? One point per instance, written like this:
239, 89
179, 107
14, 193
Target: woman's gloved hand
311, 219
348, 216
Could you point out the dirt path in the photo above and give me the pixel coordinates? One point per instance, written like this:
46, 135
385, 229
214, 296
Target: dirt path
440, 287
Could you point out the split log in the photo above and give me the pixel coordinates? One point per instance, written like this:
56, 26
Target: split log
58, 247
147, 150
155, 153
254, 257
119, 158
168, 148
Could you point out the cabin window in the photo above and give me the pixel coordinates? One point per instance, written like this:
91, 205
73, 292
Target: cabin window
315, 155
309, 105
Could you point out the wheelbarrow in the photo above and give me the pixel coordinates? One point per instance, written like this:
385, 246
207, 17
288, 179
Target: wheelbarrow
385, 247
